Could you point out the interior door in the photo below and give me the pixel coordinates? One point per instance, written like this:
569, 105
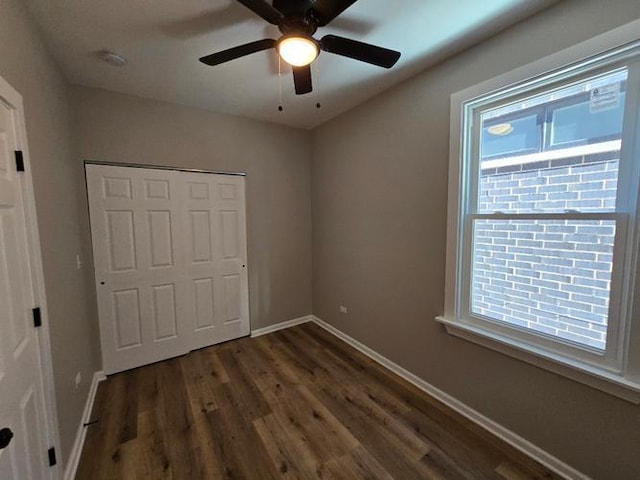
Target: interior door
214, 216
139, 264
23, 435
170, 261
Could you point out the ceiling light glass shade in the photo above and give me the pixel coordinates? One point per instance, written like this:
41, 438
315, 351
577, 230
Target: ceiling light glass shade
298, 51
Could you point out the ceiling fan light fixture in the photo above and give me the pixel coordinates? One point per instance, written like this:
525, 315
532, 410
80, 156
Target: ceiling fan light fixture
298, 50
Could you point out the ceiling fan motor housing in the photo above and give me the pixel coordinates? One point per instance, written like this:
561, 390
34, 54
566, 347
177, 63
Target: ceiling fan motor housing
298, 23
288, 7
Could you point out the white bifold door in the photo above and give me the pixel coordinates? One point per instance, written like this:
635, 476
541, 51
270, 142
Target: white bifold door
169, 249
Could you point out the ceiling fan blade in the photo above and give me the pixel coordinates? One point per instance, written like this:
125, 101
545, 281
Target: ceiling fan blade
302, 79
264, 10
382, 57
327, 10
237, 52
203, 23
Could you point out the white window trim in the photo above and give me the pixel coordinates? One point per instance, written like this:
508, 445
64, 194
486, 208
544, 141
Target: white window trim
623, 382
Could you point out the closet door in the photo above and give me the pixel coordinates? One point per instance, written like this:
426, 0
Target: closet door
214, 216
139, 264
170, 256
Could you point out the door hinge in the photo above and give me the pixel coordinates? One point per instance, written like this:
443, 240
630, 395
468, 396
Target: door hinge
52, 456
19, 161
37, 317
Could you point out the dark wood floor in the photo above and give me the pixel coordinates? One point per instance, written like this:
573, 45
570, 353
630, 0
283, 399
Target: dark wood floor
295, 404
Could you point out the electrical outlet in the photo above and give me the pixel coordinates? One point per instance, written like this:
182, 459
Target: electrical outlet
343, 309
78, 262
78, 379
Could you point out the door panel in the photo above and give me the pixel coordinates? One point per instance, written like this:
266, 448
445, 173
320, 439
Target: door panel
232, 298
160, 232
11, 269
21, 394
115, 187
120, 237
126, 311
29, 433
203, 302
164, 312
156, 189
198, 190
200, 232
214, 207
172, 255
229, 234
138, 254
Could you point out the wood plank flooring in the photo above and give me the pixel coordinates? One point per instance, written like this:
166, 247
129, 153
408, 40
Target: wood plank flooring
295, 404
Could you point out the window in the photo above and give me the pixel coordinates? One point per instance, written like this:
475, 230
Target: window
543, 213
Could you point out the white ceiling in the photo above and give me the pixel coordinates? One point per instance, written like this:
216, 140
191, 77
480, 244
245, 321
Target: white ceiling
163, 39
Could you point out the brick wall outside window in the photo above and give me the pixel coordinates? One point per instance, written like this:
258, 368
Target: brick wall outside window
552, 276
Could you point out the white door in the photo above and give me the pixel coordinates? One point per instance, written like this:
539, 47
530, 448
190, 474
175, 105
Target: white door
170, 258
138, 255
22, 408
214, 215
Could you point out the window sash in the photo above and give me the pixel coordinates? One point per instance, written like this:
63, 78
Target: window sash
544, 114
612, 357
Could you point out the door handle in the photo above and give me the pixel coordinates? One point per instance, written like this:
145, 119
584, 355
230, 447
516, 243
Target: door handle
5, 437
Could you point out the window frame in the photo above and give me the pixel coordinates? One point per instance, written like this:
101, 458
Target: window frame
618, 370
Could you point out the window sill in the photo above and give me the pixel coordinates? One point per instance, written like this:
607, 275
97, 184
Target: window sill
600, 379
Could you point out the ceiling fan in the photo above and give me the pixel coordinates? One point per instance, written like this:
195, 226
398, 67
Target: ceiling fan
298, 20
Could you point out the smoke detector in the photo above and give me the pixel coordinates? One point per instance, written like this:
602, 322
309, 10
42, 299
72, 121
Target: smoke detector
113, 58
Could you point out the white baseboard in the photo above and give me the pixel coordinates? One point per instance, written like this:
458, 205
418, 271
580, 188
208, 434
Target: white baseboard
281, 326
74, 457
496, 429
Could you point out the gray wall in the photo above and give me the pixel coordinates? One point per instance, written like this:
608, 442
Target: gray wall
121, 128
27, 66
379, 200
